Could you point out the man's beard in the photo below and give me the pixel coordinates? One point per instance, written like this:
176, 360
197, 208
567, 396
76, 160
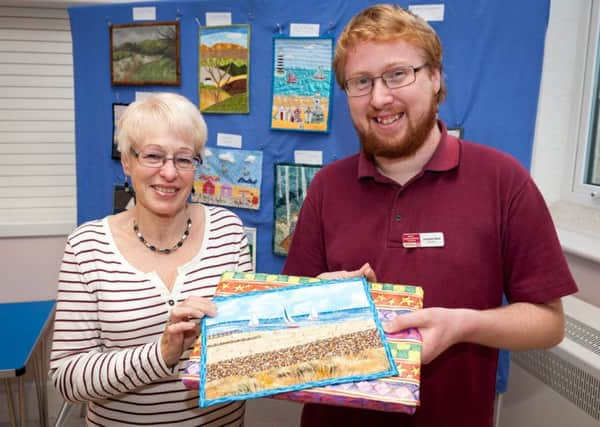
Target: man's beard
402, 146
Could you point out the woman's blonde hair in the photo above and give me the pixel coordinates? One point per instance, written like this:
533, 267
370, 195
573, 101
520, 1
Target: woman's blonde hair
389, 22
157, 113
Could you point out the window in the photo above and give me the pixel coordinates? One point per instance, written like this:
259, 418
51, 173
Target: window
585, 185
591, 149
593, 174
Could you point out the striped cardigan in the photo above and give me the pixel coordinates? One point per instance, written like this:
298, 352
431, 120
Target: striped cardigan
110, 317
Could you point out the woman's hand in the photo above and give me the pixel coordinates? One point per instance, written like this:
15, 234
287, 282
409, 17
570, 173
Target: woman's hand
183, 327
365, 270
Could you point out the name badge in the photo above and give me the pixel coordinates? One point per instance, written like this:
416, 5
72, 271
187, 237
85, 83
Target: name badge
423, 240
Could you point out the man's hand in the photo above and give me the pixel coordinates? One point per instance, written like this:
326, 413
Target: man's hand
365, 270
439, 328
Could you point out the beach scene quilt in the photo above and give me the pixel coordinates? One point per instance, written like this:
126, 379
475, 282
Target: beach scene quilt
229, 177
291, 338
398, 393
302, 83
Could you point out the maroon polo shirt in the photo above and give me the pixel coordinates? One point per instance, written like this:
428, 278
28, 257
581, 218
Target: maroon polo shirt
498, 237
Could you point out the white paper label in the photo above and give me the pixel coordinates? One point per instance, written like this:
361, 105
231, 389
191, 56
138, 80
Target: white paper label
214, 19
304, 30
144, 13
229, 140
142, 95
429, 12
308, 157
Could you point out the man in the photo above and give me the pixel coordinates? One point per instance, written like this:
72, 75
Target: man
493, 232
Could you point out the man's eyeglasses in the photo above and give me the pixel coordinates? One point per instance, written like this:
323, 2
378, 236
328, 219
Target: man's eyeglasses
393, 79
153, 158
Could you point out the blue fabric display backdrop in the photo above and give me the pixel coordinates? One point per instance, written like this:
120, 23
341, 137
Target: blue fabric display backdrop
493, 54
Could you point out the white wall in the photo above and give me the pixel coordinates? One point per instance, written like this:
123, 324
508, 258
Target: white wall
30, 267
587, 276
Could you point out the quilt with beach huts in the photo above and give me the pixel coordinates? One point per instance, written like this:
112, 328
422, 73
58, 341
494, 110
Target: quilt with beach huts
302, 84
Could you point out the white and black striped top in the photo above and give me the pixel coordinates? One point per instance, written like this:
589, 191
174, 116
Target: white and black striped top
109, 319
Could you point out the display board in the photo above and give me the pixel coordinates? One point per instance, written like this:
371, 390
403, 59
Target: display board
493, 55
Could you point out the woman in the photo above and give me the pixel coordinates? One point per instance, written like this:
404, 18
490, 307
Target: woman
132, 286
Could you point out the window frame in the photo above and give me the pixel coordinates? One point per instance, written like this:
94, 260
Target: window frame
587, 116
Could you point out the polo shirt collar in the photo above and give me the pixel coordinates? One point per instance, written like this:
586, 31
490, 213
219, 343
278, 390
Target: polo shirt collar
445, 157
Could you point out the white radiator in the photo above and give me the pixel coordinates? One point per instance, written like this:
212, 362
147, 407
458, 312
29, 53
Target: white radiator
561, 386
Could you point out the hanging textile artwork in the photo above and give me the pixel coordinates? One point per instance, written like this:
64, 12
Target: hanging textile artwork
229, 177
145, 54
250, 233
302, 83
223, 73
291, 183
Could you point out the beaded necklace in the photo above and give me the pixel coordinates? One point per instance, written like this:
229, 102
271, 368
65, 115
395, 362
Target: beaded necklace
165, 251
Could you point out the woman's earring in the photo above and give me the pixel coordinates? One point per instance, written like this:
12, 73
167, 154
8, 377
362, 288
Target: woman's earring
126, 187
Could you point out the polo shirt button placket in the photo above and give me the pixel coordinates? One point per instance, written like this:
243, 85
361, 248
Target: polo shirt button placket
398, 217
